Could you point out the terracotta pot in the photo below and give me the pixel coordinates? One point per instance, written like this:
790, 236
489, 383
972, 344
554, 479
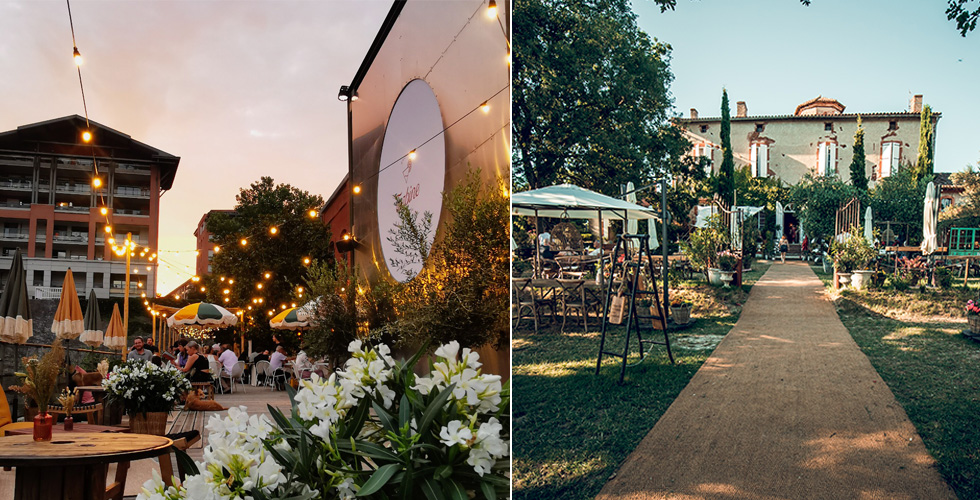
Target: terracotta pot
154, 422
42, 426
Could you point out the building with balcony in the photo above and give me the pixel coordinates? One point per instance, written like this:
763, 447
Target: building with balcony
51, 210
817, 138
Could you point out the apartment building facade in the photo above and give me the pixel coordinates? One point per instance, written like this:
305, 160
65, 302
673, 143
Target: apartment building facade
817, 138
51, 210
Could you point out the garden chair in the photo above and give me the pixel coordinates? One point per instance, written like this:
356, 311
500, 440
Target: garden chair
573, 297
262, 369
275, 376
529, 304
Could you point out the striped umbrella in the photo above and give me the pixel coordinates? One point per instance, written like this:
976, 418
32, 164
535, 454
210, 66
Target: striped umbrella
92, 335
115, 336
203, 314
68, 318
16, 324
307, 311
288, 320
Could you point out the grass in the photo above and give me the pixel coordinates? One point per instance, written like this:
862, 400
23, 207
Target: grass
914, 341
574, 428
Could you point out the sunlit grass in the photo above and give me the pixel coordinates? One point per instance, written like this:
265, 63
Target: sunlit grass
914, 341
573, 428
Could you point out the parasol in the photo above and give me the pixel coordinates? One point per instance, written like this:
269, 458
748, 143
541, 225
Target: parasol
203, 314
16, 324
91, 334
115, 336
868, 233
68, 319
288, 320
929, 220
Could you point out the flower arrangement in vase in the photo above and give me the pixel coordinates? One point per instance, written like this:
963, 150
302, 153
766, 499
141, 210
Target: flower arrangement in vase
147, 393
67, 400
39, 382
373, 429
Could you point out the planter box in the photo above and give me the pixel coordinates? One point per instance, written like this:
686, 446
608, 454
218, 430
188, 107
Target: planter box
974, 323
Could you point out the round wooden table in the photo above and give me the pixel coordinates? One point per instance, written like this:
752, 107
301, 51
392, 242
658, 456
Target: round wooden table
74, 466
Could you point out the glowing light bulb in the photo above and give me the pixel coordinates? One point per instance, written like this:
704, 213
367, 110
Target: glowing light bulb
202, 288
485, 107
96, 182
77, 56
108, 229
217, 249
313, 214
273, 230
270, 313
259, 286
346, 236
267, 275
306, 260
293, 304
299, 289
104, 211
411, 155
492, 9
112, 241
227, 299
357, 189
284, 306
226, 291
244, 242
222, 278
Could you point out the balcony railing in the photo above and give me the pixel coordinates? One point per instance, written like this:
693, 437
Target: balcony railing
15, 235
132, 191
15, 204
47, 292
70, 208
21, 185
74, 189
71, 238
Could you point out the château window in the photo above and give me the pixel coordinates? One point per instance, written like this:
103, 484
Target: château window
704, 128
827, 158
759, 159
892, 125
706, 150
828, 126
891, 154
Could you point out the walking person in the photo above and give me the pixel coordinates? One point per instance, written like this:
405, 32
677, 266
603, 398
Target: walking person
783, 248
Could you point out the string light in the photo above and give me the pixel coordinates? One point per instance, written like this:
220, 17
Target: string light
108, 229
485, 106
357, 189
244, 242
77, 56
273, 230
313, 214
217, 249
306, 260
259, 286
267, 275
492, 9
412, 154
104, 211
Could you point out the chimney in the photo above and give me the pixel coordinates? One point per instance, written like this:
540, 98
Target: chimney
694, 114
742, 110
915, 105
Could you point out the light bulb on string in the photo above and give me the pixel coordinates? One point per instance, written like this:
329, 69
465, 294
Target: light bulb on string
357, 189
267, 275
312, 214
77, 56
243, 242
97, 183
306, 260
217, 249
231, 282
108, 229
485, 107
411, 154
104, 211
273, 230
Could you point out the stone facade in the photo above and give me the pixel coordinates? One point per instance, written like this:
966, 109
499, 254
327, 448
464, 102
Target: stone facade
817, 138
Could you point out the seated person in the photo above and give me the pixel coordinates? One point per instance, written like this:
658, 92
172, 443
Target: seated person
196, 369
276, 361
544, 241
228, 360
140, 351
148, 345
303, 366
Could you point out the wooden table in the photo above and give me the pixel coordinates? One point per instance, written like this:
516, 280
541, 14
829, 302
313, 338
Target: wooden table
74, 466
58, 429
109, 417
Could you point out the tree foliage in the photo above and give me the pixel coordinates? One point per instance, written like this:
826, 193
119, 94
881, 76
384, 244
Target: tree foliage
859, 162
959, 10
817, 199
966, 213
726, 174
900, 198
261, 206
590, 95
924, 163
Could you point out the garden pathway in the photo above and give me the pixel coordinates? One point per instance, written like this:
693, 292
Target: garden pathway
787, 407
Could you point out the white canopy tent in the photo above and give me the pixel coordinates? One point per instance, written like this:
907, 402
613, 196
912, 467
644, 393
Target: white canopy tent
573, 202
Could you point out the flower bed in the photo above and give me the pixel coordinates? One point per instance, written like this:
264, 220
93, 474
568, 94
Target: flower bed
372, 430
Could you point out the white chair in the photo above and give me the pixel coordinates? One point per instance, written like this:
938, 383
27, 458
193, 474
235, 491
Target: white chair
323, 368
262, 368
276, 375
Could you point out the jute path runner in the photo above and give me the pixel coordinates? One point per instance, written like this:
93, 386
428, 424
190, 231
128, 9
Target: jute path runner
787, 407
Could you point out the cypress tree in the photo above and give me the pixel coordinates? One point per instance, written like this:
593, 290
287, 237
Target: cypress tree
858, 179
923, 165
726, 174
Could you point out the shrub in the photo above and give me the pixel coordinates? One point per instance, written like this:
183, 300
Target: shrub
727, 261
704, 243
854, 252
944, 278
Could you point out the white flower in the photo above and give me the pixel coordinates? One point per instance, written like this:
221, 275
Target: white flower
455, 432
480, 460
347, 489
488, 447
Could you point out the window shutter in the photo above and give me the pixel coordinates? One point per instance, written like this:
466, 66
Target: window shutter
821, 158
896, 155
832, 151
754, 160
763, 160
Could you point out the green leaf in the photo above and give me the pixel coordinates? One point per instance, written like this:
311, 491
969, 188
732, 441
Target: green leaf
370, 450
387, 420
186, 463
488, 491
404, 411
454, 490
431, 489
443, 471
434, 408
281, 421
378, 479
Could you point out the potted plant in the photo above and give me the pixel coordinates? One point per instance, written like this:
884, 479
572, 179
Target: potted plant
39, 382
703, 245
147, 393
973, 316
727, 261
67, 400
680, 310
374, 429
852, 254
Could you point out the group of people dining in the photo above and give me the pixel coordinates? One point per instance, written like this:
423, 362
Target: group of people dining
195, 360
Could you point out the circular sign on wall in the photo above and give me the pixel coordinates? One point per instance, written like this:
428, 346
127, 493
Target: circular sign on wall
413, 168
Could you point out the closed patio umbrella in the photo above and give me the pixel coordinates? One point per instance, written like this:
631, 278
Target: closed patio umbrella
92, 334
115, 336
16, 324
868, 232
930, 208
68, 318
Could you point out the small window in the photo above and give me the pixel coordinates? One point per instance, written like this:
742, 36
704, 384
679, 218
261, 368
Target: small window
892, 125
828, 127
945, 203
759, 127
704, 128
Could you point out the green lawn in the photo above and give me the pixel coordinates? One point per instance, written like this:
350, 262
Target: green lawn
573, 429
933, 370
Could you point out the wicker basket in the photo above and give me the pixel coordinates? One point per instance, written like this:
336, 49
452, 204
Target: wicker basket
681, 314
974, 323
155, 422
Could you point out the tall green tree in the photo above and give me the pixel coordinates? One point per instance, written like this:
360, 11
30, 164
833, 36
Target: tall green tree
726, 174
859, 161
898, 198
590, 94
283, 254
923, 163
817, 198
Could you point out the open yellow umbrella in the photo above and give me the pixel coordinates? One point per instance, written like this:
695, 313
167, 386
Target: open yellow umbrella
203, 314
115, 336
68, 322
288, 320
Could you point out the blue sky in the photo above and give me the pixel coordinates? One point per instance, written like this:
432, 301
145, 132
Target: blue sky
870, 55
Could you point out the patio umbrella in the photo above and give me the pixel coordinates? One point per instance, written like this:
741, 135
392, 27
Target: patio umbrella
68, 319
203, 314
307, 311
115, 336
929, 245
16, 324
288, 320
91, 334
632, 224
868, 233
